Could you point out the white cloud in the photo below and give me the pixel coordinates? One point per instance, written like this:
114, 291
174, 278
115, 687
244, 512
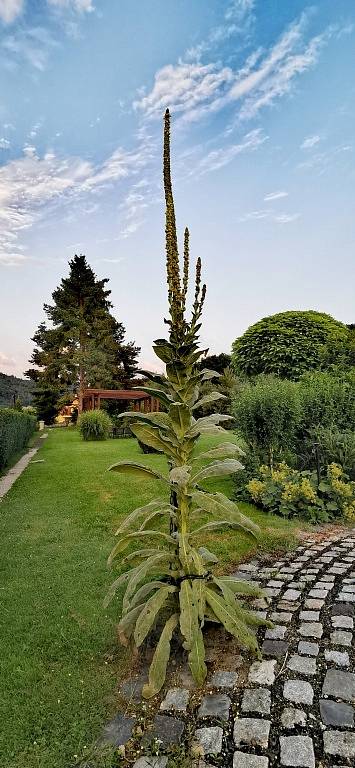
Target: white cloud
217, 158
79, 6
4, 143
310, 141
275, 196
10, 9
30, 185
184, 87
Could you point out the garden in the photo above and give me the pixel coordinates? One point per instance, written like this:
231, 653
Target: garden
175, 510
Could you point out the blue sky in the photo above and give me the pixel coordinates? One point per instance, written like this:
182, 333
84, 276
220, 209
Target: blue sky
262, 94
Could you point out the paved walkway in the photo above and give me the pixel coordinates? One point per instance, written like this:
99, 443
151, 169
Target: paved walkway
296, 706
10, 478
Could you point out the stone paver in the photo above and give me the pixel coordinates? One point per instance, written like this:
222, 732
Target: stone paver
297, 751
336, 713
302, 664
217, 705
339, 684
210, 739
176, 698
252, 732
224, 679
292, 717
298, 691
262, 672
257, 700
242, 760
308, 649
339, 743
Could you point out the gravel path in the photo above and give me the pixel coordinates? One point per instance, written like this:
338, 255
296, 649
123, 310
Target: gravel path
296, 706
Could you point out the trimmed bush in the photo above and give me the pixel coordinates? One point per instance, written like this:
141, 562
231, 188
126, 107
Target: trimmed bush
290, 343
16, 429
94, 425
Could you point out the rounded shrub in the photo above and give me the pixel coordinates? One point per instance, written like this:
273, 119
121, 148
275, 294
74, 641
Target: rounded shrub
94, 425
289, 343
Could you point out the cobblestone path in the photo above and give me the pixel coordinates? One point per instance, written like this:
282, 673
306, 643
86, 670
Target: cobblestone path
296, 706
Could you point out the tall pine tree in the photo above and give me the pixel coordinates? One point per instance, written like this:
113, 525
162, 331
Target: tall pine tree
83, 344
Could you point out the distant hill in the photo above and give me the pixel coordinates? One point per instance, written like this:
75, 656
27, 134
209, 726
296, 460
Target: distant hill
12, 385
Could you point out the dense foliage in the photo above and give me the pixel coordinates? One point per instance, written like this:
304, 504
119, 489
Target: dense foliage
174, 582
287, 492
16, 429
281, 419
290, 343
267, 413
83, 344
12, 387
94, 425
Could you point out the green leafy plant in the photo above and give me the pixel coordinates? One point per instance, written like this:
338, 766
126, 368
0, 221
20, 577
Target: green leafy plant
289, 343
94, 425
290, 493
267, 413
336, 446
174, 581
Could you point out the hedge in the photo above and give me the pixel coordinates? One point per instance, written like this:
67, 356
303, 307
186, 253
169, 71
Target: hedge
16, 429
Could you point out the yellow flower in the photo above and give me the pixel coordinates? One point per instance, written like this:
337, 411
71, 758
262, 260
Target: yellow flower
349, 511
256, 489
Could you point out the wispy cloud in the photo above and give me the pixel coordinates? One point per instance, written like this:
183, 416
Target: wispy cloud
321, 162
30, 46
217, 158
310, 141
31, 185
275, 196
268, 215
10, 10
4, 143
196, 88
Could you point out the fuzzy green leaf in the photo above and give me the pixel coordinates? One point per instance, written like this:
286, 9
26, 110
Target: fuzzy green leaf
238, 587
156, 564
211, 397
130, 467
157, 671
137, 513
126, 626
227, 615
224, 450
196, 657
219, 504
207, 556
218, 469
159, 394
114, 587
180, 418
144, 591
188, 613
150, 611
123, 543
150, 435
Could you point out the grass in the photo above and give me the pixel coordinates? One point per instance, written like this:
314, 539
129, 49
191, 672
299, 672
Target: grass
59, 661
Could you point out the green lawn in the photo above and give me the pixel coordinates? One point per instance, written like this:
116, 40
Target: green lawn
59, 662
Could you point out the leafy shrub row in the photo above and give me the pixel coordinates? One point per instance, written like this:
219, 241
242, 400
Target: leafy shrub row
285, 420
94, 425
290, 493
16, 429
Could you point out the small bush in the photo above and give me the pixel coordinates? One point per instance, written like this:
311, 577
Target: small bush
287, 492
94, 425
16, 428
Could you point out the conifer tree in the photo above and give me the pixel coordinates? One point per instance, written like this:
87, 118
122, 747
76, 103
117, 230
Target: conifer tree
83, 344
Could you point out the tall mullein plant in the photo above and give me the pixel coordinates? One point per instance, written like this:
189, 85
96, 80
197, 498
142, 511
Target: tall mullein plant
173, 585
